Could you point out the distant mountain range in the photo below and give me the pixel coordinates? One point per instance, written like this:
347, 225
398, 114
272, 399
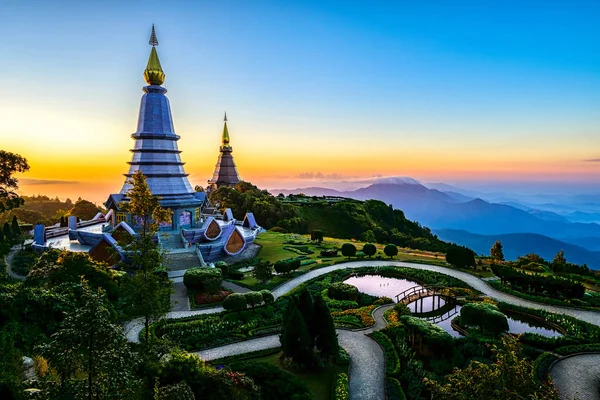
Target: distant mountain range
441, 210
519, 244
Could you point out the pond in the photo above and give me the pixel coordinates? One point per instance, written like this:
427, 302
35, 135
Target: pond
378, 285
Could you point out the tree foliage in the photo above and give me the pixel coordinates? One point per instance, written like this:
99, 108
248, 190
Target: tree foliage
10, 164
496, 251
509, 377
89, 343
460, 256
144, 205
348, 250
391, 250
263, 271
369, 249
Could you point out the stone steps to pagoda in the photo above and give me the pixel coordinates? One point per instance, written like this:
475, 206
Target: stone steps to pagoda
179, 260
171, 240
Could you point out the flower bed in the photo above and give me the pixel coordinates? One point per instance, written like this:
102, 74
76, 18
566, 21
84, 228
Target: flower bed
341, 388
211, 298
363, 314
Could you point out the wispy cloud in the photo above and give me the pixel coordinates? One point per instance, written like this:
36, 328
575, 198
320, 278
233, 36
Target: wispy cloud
593, 160
45, 182
319, 176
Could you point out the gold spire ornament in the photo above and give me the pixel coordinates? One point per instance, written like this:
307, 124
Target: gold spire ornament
153, 74
225, 131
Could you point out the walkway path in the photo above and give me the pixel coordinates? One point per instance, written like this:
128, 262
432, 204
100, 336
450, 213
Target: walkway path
366, 375
367, 370
577, 377
9, 270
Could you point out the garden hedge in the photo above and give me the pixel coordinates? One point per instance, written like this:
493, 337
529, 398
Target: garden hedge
393, 389
484, 315
341, 387
542, 364
392, 361
203, 279
276, 383
342, 291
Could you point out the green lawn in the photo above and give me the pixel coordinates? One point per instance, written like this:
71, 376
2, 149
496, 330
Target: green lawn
318, 382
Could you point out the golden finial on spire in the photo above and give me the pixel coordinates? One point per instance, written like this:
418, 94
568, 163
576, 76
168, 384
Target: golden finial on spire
153, 73
225, 131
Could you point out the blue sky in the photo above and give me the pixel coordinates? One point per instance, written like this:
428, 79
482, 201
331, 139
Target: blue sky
436, 90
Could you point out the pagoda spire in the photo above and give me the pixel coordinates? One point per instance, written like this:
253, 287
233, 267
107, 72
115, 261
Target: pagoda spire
225, 131
153, 74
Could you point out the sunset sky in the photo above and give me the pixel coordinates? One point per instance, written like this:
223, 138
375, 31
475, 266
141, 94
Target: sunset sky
316, 92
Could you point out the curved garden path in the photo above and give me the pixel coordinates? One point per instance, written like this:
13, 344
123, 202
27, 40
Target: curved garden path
9, 270
367, 369
577, 377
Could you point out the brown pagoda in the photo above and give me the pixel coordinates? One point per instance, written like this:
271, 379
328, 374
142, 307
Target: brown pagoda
226, 173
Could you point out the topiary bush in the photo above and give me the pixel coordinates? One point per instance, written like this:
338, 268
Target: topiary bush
342, 291
484, 315
391, 250
203, 279
369, 249
288, 265
223, 266
348, 250
235, 302
253, 299
267, 296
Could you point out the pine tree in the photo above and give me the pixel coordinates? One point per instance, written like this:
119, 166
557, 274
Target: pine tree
496, 251
307, 309
326, 340
14, 227
144, 205
295, 339
7, 232
148, 293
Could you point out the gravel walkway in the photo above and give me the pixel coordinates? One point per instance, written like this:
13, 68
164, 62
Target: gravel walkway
232, 287
577, 377
9, 258
179, 298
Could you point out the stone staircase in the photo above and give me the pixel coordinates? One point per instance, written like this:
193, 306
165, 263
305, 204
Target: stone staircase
170, 240
181, 260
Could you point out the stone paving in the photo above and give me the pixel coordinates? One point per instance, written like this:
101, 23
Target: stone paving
577, 377
179, 298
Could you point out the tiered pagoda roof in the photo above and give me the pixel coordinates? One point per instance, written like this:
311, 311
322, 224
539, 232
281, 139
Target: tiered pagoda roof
155, 151
226, 173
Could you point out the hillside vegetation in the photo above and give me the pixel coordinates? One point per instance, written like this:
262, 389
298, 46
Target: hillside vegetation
371, 220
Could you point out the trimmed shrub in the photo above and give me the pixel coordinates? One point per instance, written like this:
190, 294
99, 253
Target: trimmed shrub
253, 299
235, 302
348, 250
329, 253
392, 361
203, 279
278, 229
369, 249
391, 250
542, 364
342, 291
401, 309
223, 266
433, 336
288, 265
393, 389
484, 315
267, 296
276, 383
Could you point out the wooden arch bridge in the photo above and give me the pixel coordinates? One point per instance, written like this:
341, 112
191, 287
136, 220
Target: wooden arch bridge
420, 292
